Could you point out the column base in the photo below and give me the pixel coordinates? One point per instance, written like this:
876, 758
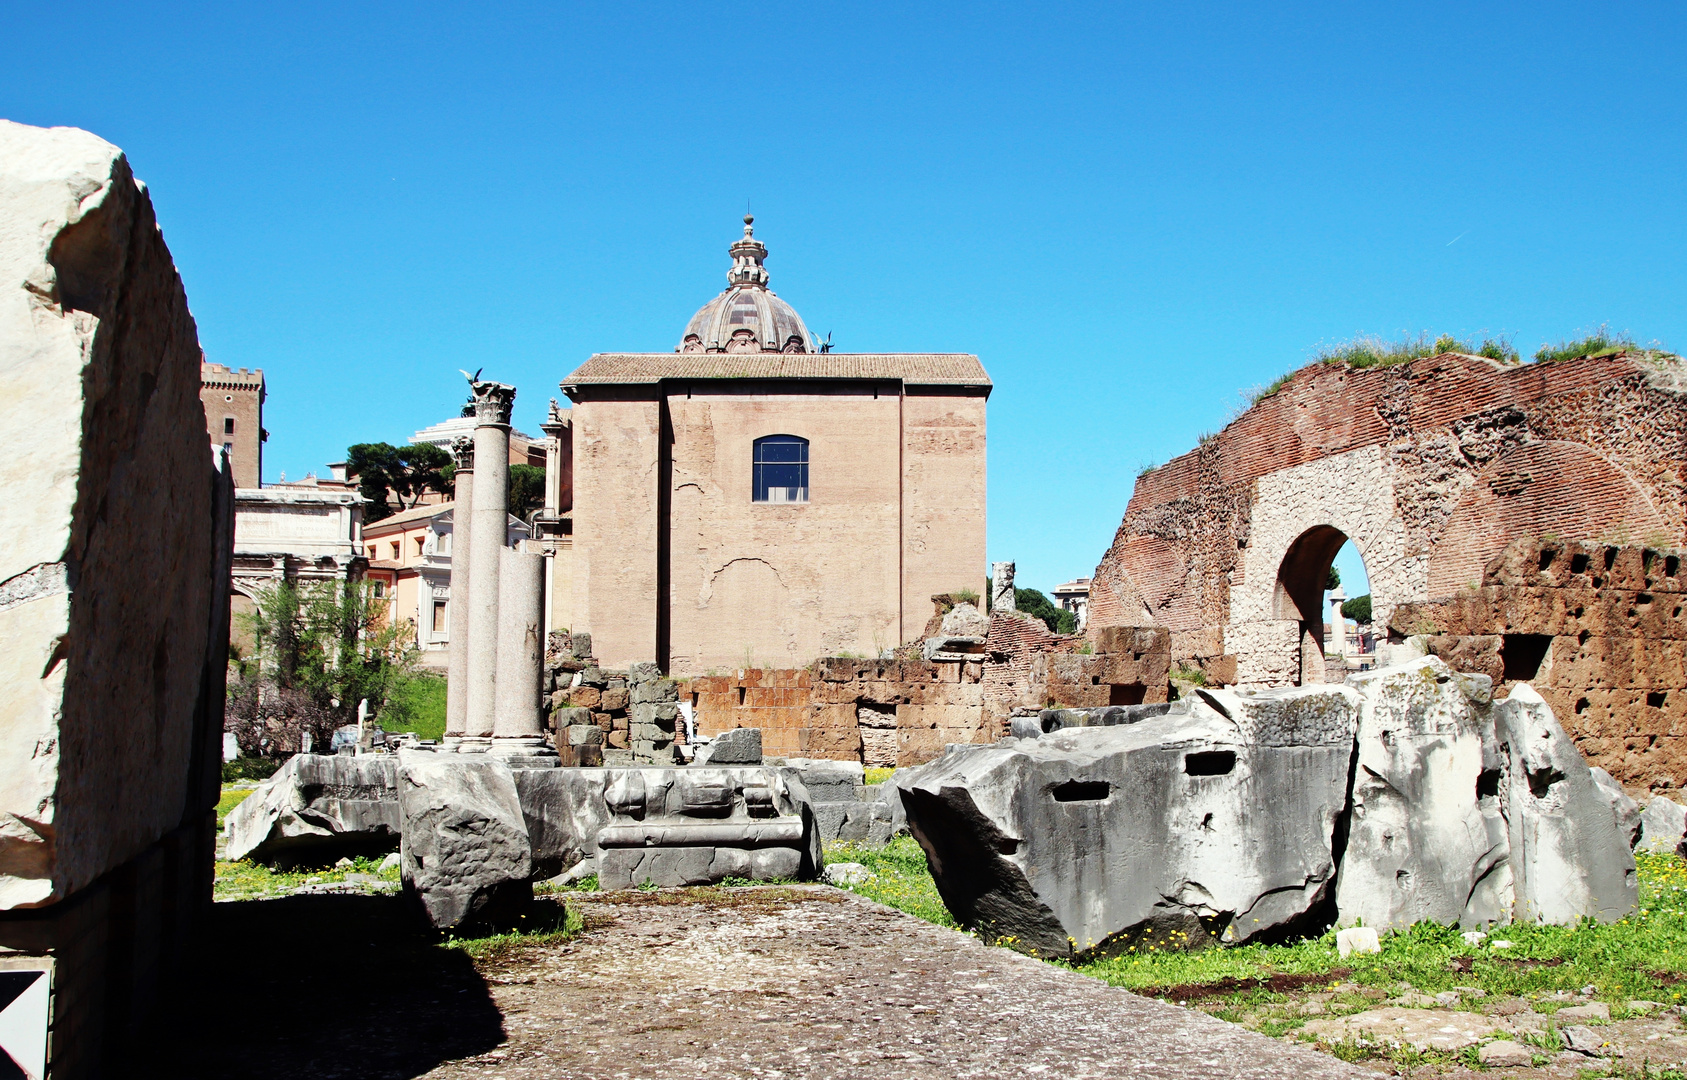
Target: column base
474, 744
525, 751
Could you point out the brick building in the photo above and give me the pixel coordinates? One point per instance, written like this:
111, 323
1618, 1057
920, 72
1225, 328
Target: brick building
747, 499
1431, 469
234, 418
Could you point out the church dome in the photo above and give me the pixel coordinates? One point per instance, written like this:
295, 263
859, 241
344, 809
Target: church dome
747, 317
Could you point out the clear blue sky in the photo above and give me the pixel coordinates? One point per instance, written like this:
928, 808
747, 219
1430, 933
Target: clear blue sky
1131, 213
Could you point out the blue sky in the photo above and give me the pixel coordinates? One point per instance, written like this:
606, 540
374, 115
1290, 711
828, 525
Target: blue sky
1131, 213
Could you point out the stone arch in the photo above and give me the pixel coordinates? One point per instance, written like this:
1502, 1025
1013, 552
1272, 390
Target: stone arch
1349, 495
1540, 489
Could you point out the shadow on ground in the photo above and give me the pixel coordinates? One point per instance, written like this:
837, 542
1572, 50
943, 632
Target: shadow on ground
320, 986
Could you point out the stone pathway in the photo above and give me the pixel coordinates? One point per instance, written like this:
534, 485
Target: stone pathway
817, 983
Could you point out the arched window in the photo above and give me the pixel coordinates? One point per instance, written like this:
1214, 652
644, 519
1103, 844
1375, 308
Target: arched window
781, 469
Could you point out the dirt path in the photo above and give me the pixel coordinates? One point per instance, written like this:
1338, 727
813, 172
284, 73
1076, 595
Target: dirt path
813, 982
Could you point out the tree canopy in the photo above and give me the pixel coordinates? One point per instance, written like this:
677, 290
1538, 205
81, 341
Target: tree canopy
1358, 609
1033, 603
404, 473
527, 489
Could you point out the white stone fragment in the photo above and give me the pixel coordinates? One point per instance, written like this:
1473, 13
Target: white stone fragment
1357, 939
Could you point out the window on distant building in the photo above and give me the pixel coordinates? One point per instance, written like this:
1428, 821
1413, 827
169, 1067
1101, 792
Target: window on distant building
228, 448
781, 469
441, 620
380, 588
371, 551
395, 550
228, 425
419, 542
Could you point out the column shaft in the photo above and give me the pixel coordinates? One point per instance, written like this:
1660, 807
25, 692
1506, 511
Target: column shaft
489, 530
457, 671
521, 653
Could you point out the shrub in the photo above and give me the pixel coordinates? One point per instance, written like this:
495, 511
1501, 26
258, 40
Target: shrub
415, 702
247, 768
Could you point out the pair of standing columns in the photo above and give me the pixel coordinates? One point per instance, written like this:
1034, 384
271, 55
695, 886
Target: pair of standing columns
499, 665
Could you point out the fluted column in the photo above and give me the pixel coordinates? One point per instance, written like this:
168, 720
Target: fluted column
457, 673
488, 530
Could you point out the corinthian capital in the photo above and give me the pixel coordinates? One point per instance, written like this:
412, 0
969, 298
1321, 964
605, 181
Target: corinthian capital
462, 452
492, 402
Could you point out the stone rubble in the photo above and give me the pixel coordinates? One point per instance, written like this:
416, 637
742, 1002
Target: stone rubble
1459, 809
316, 808
703, 825
466, 856
1662, 825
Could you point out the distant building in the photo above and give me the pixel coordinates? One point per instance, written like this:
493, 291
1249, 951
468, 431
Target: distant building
292, 534
234, 418
752, 498
408, 556
1074, 596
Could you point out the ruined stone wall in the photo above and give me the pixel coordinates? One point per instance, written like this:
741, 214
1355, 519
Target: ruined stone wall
878, 712
1430, 468
903, 712
113, 590
1599, 631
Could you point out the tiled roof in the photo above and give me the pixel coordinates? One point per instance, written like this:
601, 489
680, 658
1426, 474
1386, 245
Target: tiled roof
918, 369
392, 522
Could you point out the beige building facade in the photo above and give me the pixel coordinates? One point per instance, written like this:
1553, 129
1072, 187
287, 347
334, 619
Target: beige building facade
746, 500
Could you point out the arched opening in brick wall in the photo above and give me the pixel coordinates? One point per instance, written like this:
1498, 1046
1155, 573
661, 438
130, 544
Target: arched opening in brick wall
1300, 597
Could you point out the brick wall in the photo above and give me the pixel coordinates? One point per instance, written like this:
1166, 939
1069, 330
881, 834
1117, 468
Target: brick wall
903, 712
1429, 468
1599, 630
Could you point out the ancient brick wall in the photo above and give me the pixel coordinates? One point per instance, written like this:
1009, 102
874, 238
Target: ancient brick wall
878, 712
903, 712
1430, 468
1600, 631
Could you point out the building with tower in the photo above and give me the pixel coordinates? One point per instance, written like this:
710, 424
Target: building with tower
234, 418
751, 498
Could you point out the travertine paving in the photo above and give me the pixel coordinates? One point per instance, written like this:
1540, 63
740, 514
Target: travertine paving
814, 982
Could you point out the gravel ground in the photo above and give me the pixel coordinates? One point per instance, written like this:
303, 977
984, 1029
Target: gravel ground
814, 982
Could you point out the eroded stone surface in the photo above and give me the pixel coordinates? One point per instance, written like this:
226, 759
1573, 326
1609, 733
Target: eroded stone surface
828, 986
318, 808
466, 856
1090, 840
1422, 1029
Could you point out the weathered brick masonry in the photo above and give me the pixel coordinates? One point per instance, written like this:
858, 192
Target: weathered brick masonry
1430, 468
1600, 631
903, 712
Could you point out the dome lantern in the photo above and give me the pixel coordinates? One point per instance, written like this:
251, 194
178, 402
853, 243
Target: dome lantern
748, 316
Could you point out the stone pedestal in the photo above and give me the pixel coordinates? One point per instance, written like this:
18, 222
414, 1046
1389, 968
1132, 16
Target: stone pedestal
488, 528
457, 671
518, 731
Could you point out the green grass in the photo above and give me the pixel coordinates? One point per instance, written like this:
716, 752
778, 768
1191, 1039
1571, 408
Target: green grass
231, 798
1602, 342
416, 703
247, 880
901, 878
876, 775
551, 922
1623, 961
